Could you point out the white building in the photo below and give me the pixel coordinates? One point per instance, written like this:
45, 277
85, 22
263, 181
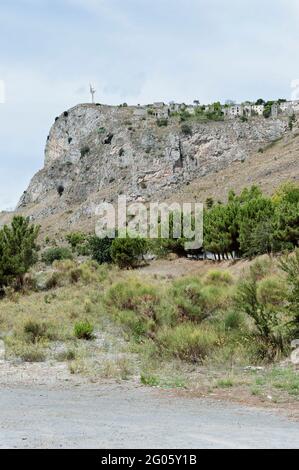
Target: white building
233, 111
258, 109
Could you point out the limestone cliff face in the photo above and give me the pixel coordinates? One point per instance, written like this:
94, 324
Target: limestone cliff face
93, 153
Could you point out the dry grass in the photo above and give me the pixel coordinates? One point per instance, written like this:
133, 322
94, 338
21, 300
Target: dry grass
139, 331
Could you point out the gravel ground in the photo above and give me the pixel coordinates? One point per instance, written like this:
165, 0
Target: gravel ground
128, 416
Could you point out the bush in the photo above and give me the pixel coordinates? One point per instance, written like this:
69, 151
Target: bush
28, 352
35, 331
128, 252
84, 151
84, 330
134, 295
271, 291
219, 277
99, 249
162, 122
197, 302
53, 254
75, 239
256, 299
233, 320
187, 342
186, 129
140, 307
290, 265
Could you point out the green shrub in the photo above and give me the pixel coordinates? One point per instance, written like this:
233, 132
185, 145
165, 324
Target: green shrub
140, 307
196, 301
54, 254
186, 129
187, 342
162, 122
84, 150
35, 331
290, 265
233, 320
75, 239
219, 277
53, 281
84, 330
100, 249
256, 300
271, 291
150, 380
134, 295
128, 252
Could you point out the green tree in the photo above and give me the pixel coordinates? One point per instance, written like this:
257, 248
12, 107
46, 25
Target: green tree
100, 249
256, 222
286, 201
221, 228
128, 252
18, 251
75, 239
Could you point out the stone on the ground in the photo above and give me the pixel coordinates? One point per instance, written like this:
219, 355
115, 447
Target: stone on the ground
2, 350
295, 357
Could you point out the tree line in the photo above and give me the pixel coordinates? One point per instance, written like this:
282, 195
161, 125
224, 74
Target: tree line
253, 223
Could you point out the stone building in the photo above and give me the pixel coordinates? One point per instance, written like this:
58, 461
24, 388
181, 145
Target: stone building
258, 109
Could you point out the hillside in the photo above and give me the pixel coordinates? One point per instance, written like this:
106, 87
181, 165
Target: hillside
277, 164
94, 153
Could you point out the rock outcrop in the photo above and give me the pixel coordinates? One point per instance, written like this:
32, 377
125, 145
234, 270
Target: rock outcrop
95, 152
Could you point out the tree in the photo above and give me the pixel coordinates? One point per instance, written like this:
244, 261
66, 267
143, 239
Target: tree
221, 228
256, 222
127, 252
216, 234
260, 102
268, 109
286, 201
18, 251
100, 249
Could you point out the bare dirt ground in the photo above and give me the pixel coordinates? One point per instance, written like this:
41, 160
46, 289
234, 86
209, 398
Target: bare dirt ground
126, 416
174, 268
44, 406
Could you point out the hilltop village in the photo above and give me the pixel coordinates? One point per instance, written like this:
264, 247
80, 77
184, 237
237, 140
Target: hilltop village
230, 110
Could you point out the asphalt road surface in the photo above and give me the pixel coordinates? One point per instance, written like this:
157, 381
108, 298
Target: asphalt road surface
121, 416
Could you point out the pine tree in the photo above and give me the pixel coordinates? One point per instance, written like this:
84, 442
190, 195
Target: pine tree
18, 251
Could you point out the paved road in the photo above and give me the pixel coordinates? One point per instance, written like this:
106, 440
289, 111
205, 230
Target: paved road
121, 416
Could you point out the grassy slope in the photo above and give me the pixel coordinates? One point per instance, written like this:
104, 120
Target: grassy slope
117, 352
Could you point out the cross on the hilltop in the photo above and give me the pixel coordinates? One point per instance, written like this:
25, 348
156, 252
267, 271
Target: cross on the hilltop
92, 92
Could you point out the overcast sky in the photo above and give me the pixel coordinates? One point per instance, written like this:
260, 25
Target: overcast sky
136, 51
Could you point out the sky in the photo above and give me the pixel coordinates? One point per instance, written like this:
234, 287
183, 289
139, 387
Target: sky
134, 51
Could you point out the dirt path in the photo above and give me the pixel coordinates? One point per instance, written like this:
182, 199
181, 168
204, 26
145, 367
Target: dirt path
128, 416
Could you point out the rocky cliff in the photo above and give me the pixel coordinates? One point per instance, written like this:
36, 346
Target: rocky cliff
95, 152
